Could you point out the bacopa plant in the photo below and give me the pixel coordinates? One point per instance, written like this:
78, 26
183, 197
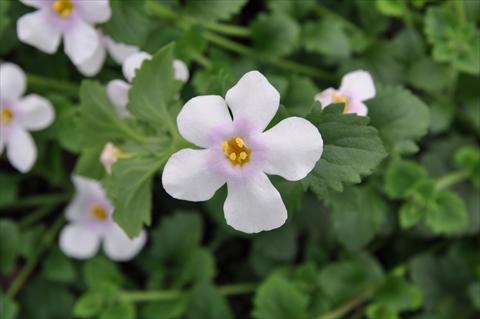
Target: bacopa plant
239, 159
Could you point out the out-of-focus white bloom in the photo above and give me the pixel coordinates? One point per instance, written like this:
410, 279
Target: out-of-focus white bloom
117, 90
110, 155
18, 115
90, 223
356, 87
72, 20
238, 152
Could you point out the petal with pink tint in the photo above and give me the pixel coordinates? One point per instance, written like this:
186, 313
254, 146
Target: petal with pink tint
13, 82
79, 241
36, 112
326, 97
80, 42
21, 150
119, 247
358, 108
97, 11
93, 65
358, 85
117, 91
132, 63
36, 29
119, 51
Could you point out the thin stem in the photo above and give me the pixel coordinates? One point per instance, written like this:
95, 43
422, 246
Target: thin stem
31, 263
227, 29
145, 296
40, 200
348, 306
36, 215
451, 179
38, 81
459, 8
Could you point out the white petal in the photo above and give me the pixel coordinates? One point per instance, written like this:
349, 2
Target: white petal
199, 116
254, 205
79, 241
80, 42
119, 247
119, 51
93, 65
187, 176
36, 112
358, 108
88, 186
21, 150
325, 97
358, 85
132, 63
94, 11
36, 29
294, 147
254, 98
180, 70
34, 3
117, 91
13, 82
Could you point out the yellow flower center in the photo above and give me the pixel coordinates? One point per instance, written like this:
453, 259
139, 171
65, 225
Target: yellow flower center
6, 115
63, 7
342, 99
98, 212
236, 151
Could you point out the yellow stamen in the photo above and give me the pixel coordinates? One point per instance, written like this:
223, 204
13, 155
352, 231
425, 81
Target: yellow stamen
63, 7
6, 115
98, 212
342, 99
236, 151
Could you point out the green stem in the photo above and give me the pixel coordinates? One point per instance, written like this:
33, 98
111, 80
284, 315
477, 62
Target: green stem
450, 179
459, 8
31, 263
348, 306
38, 81
36, 215
145, 296
40, 200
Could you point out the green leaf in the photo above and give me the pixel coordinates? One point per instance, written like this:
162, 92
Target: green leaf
326, 37
448, 215
474, 294
351, 149
294, 8
429, 76
400, 117
441, 116
4, 18
88, 164
280, 299
121, 310
99, 271
129, 187
468, 158
398, 294
8, 307
401, 176
347, 278
57, 267
421, 197
170, 309
8, 195
275, 34
9, 244
213, 9
129, 22
88, 305
298, 95
153, 90
393, 8
357, 215
207, 302
453, 38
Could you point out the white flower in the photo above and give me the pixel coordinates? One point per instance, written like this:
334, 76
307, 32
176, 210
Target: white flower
356, 87
18, 115
237, 152
110, 155
90, 223
71, 19
117, 90
118, 51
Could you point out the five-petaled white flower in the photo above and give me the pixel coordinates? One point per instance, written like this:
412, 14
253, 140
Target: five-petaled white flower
71, 19
117, 90
18, 115
90, 222
356, 87
237, 152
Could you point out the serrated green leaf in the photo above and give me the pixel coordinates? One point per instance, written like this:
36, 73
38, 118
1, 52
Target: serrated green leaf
401, 176
279, 298
357, 215
213, 9
275, 34
352, 149
129, 22
400, 117
88, 164
207, 302
448, 215
129, 187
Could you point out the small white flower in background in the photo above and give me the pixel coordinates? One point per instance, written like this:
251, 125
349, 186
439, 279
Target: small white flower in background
237, 152
90, 223
118, 51
71, 19
110, 155
18, 115
117, 90
356, 87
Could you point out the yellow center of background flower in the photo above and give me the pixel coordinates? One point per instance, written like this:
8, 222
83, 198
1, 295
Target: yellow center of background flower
63, 7
98, 212
342, 99
6, 116
236, 151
